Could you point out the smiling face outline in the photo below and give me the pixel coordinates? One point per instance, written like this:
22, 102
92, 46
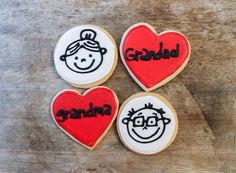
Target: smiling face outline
84, 55
84, 60
146, 125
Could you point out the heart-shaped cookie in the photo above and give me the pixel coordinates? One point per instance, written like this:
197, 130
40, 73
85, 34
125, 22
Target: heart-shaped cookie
153, 59
85, 118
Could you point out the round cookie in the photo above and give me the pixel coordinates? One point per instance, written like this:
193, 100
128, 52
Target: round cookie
153, 59
147, 123
86, 117
85, 56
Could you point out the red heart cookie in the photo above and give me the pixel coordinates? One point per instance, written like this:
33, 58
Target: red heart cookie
85, 118
153, 59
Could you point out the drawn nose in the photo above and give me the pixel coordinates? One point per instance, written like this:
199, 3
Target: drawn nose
145, 128
83, 59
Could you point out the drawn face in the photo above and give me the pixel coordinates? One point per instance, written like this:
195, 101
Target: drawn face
84, 61
146, 125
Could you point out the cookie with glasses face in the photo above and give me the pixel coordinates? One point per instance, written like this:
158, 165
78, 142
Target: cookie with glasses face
85, 56
147, 123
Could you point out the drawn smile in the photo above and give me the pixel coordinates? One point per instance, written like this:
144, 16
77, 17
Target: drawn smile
146, 137
85, 68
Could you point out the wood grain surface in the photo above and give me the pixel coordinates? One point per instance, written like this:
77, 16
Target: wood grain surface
204, 94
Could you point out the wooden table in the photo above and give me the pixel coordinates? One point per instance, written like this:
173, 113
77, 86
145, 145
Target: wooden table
204, 94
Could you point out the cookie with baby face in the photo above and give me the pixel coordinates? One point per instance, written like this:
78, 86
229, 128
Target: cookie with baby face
85, 56
147, 123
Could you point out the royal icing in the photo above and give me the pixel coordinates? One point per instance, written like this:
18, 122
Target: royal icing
153, 59
85, 118
146, 123
85, 56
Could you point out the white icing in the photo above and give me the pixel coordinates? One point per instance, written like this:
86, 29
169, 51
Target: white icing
155, 144
100, 72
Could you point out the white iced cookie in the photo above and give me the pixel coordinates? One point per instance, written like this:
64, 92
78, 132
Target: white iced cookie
85, 56
147, 123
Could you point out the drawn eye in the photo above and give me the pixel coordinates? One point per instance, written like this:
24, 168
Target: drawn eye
90, 55
152, 121
76, 58
138, 121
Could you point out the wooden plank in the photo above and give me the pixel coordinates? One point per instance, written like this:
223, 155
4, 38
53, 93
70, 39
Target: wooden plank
203, 94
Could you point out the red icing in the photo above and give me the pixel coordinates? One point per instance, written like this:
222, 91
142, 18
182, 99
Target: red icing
86, 130
151, 72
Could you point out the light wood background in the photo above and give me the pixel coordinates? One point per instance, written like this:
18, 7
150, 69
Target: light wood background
204, 94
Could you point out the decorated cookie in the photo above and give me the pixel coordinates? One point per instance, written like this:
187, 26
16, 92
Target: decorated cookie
147, 123
85, 56
85, 118
153, 59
